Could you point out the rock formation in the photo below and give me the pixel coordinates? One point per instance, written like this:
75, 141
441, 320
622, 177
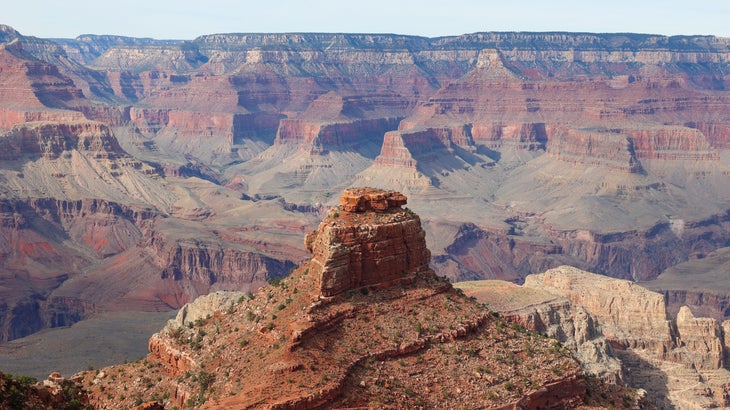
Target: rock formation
51, 139
368, 241
629, 314
679, 361
555, 316
700, 341
612, 150
56, 392
389, 337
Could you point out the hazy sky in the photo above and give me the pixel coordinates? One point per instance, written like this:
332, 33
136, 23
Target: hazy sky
184, 19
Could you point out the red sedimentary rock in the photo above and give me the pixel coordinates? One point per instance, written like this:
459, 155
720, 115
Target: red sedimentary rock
406, 147
366, 199
612, 150
373, 242
51, 139
319, 137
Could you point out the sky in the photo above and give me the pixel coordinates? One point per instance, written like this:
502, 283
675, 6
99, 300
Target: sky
185, 19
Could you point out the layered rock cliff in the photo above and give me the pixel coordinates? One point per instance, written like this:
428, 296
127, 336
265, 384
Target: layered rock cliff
606, 149
621, 330
57, 239
209, 262
51, 139
679, 361
33, 83
555, 316
630, 314
59, 256
471, 104
369, 241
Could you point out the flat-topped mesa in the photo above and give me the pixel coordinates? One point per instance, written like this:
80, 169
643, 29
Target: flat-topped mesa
369, 240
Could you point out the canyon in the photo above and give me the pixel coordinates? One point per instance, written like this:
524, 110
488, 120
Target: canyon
139, 174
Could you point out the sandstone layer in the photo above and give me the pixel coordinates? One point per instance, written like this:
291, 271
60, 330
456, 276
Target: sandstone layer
369, 241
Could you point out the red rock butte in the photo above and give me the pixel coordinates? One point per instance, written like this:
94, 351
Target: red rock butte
369, 240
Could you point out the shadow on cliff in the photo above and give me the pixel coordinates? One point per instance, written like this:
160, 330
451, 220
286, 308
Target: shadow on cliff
639, 373
443, 162
491, 154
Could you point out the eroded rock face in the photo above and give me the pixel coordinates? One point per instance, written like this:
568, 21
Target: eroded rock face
33, 84
699, 341
319, 137
630, 314
32, 253
680, 362
52, 139
407, 147
368, 241
612, 150
364, 200
209, 262
196, 311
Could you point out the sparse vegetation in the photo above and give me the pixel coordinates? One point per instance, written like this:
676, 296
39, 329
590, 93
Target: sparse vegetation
375, 326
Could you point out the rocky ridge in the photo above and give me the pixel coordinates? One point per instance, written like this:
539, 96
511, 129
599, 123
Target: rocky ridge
558, 317
296, 344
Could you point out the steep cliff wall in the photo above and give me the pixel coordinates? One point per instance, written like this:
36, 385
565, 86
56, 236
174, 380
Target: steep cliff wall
406, 147
10, 117
45, 242
700, 341
51, 139
32, 83
606, 149
496, 135
630, 314
207, 263
679, 362
321, 137
557, 317
640, 255
672, 143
